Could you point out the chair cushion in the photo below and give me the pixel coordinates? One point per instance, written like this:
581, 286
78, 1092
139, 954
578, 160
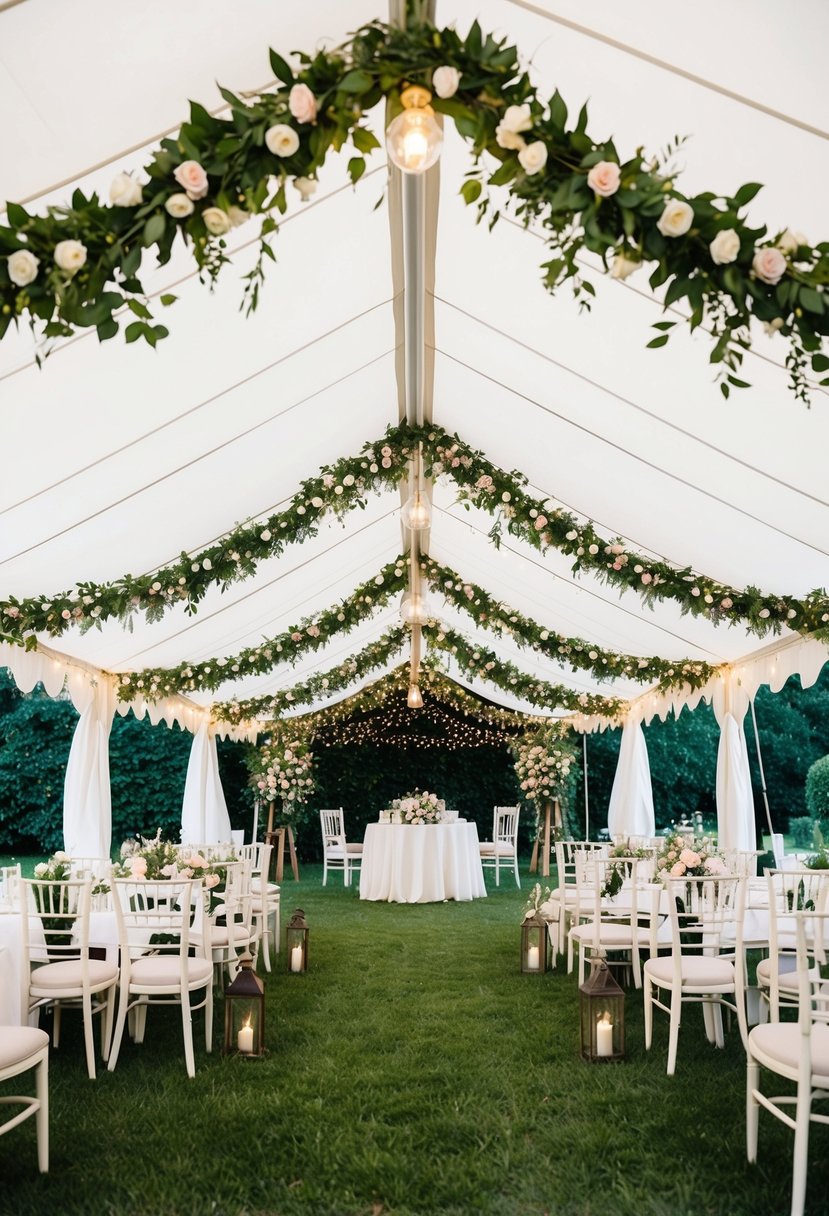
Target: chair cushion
698, 971
219, 935
610, 934
779, 1044
163, 970
17, 1043
786, 972
354, 848
489, 849
53, 977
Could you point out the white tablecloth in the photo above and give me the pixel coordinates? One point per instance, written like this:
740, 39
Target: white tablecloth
421, 864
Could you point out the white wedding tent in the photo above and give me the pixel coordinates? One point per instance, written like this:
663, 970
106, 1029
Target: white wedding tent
119, 457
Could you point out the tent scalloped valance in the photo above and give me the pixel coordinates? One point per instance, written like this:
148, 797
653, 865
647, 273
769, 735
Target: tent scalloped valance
340, 487
78, 265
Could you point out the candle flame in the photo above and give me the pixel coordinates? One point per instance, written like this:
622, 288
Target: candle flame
604, 1020
246, 1023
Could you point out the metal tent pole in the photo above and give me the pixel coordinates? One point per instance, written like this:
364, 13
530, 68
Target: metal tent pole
762, 771
586, 794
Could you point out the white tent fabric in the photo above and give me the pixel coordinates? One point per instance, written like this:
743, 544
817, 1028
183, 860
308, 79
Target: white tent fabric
123, 457
204, 817
735, 804
630, 811
87, 801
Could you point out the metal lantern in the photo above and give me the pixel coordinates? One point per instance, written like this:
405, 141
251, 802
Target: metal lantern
602, 1013
245, 1012
296, 943
534, 938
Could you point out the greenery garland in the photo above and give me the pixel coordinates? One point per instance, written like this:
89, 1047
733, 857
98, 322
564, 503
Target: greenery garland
501, 620
78, 265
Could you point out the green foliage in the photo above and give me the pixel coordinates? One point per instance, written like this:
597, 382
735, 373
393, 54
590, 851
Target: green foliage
817, 789
802, 831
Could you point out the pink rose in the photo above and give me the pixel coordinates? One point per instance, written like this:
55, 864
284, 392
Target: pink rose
715, 865
211, 880
769, 265
677, 869
541, 522
689, 858
192, 179
138, 866
302, 103
603, 178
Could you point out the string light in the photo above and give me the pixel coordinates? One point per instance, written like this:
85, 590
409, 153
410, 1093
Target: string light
414, 139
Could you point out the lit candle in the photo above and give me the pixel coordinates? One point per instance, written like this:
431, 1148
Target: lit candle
244, 1039
296, 958
604, 1036
533, 961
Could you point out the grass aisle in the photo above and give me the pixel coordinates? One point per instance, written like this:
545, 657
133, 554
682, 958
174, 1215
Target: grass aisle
412, 1071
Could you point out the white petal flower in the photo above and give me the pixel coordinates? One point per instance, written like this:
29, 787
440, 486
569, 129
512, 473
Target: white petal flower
125, 191
676, 219
22, 266
281, 139
533, 157
179, 206
70, 256
725, 247
216, 221
445, 81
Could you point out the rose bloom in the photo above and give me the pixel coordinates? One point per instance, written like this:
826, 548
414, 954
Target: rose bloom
179, 206
533, 157
217, 223
192, 179
211, 880
677, 869
603, 179
516, 119
281, 139
725, 247
445, 81
302, 103
790, 241
715, 865
138, 866
71, 256
41, 869
306, 186
623, 266
676, 219
125, 191
769, 264
689, 858
22, 266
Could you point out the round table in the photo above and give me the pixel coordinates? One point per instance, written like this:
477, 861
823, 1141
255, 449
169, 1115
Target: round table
422, 863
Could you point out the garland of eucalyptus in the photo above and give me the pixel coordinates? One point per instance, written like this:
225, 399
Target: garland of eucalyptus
340, 487
77, 265
501, 620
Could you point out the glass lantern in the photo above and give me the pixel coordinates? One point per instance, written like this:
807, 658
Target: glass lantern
245, 1012
296, 943
534, 938
602, 1014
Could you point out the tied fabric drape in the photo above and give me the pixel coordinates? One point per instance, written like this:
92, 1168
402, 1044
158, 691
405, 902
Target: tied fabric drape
204, 817
630, 812
735, 801
87, 799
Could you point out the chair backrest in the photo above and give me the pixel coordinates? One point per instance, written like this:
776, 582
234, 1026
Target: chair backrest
742, 862
618, 890
99, 868
566, 853
167, 915
56, 926
789, 893
254, 854
811, 937
332, 825
10, 885
505, 825
706, 916
778, 848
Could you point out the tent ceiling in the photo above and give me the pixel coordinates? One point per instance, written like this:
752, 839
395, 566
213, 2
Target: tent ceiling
118, 457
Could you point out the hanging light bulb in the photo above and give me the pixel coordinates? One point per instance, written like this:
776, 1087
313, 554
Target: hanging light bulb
414, 609
416, 512
414, 138
414, 700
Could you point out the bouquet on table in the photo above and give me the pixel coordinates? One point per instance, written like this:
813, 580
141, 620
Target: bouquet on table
689, 856
417, 808
157, 859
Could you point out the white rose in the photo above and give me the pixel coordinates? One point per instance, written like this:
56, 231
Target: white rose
23, 267
725, 247
281, 139
769, 264
70, 255
40, 869
179, 206
603, 179
508, 132
790, 241
237, 216
306, 187
676, 219
445, 81
533, 157
216, 221
125, 191
622, 268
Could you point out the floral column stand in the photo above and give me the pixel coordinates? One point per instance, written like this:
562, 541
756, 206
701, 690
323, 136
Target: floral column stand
551, 821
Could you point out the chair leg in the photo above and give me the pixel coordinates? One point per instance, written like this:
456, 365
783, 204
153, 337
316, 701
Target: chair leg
118, 1033
140, 1020
800, 1167
56, 1012
265, 942
42, 1115
88, 1034
187, 1031
324, 869
648, 998
673, 1040
106, 1022
208, 1019
752, 1109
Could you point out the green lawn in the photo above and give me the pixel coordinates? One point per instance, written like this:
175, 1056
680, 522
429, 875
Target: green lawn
413, 1070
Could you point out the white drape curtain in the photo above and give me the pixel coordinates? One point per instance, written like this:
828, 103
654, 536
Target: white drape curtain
630, 812
735, 801
204, 817
87, 800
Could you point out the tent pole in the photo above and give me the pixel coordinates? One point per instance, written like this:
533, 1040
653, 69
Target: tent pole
762, 771
586, 795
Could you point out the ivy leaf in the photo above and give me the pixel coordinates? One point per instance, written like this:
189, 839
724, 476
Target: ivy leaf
470, 190
363, 140
812, 300
558, 111
356, 168
656, 342
167, 299
134, 331
820, 363
356, 82
747, 192
153, 230
280, 68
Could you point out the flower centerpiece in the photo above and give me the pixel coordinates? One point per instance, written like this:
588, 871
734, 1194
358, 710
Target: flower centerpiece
540, 900
417, 808
543, 761
56, 869
689, 856
154, 858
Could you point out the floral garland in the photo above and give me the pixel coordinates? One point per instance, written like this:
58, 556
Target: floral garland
77, 265
380, 465
281, 771
501, 620
310, 634
477, 661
